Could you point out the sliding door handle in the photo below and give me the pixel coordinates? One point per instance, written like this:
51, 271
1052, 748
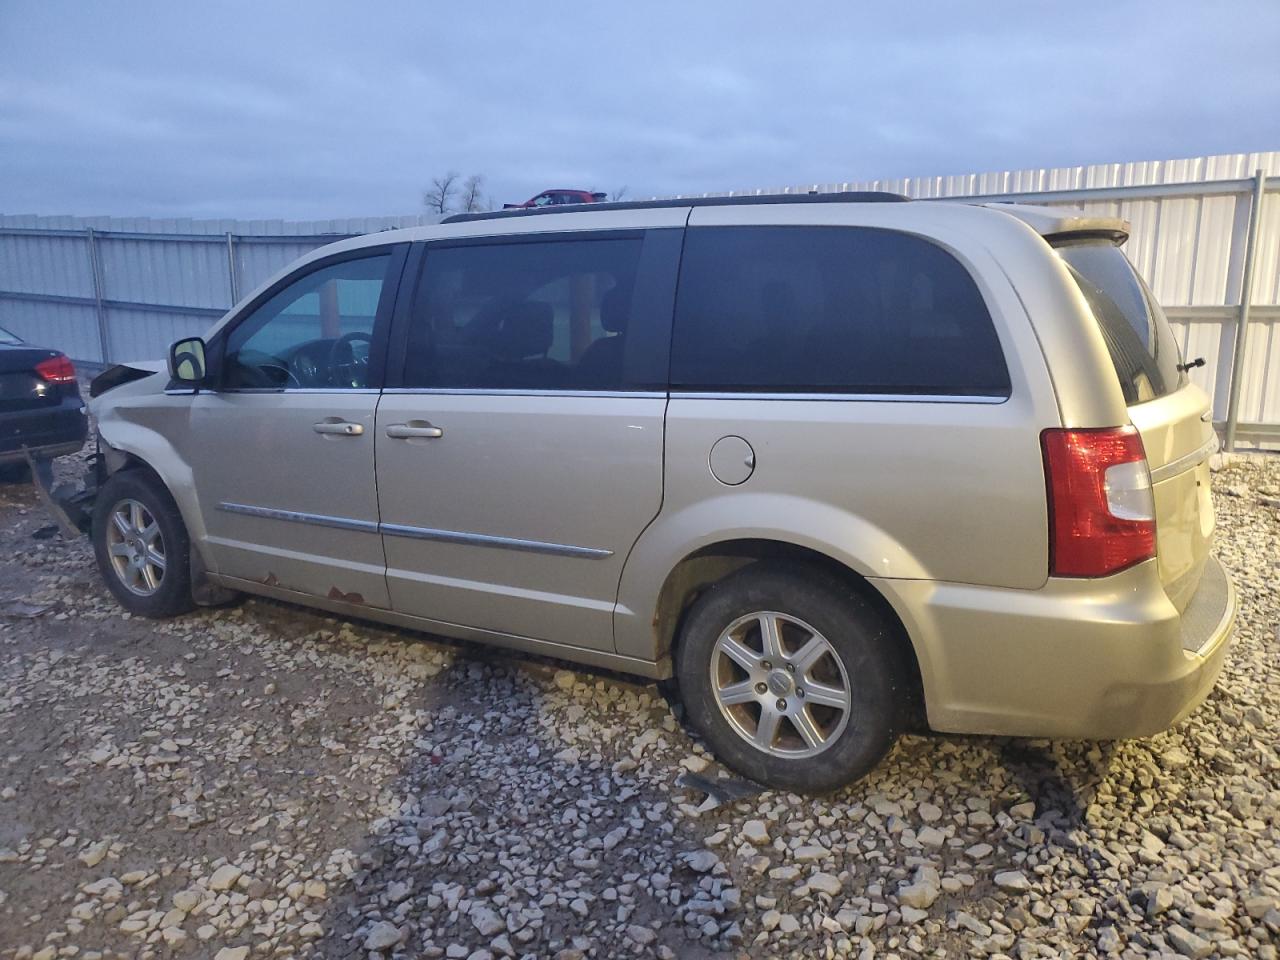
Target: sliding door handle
341, 428
414, 429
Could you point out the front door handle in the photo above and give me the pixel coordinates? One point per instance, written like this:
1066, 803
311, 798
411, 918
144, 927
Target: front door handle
414, 429
342, 428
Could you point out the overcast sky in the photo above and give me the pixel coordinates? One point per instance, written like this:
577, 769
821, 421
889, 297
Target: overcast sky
316, 110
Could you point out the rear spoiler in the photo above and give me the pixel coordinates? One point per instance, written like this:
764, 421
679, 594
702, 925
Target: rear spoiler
1056, 224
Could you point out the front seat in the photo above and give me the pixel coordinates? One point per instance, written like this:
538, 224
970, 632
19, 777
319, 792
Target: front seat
601, 363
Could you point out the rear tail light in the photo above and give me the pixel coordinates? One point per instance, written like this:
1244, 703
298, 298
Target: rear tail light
56, 370
1101, 509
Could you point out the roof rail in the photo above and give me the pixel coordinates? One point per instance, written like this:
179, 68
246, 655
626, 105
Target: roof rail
847, 196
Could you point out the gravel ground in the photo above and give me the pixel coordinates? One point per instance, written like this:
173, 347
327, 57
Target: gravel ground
263, 781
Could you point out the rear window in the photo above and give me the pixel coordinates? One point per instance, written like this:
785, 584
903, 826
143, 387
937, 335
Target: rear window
830, 310
1141, 343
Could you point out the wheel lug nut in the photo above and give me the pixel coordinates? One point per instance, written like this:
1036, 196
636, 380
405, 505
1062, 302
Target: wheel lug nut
799, 692
782, 704
791, 668
761, 688
767, 665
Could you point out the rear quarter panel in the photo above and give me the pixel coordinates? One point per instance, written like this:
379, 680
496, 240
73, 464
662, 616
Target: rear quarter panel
910, 490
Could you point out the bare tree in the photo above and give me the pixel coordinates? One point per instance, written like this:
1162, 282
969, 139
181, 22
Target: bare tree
441, 191
472, 201
619, 193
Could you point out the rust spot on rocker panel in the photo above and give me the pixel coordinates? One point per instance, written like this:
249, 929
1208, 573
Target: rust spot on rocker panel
336, 594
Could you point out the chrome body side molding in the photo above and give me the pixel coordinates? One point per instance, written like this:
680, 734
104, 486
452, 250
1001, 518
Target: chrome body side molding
417, 533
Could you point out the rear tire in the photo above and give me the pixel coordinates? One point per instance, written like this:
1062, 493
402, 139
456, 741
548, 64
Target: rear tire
833, 679
141, 546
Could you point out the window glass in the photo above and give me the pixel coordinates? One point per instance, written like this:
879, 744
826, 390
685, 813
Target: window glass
549, 315
830, 310
1143, 349
316, 332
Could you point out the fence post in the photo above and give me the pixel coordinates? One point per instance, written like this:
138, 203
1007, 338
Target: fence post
1246, 295
95, 269
231, 268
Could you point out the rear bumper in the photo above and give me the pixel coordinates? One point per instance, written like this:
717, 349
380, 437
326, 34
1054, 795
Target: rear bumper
47, 432
1096, 659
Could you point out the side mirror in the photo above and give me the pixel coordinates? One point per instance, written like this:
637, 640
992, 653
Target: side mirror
186, 361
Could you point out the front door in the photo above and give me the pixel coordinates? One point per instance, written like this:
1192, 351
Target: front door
282, 451
520, 457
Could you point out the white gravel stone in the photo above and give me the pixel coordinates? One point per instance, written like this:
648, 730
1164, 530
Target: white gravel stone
225, 877
382, 936
1014, 881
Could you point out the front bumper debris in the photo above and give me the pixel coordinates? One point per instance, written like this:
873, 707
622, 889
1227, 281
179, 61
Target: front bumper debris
71, 506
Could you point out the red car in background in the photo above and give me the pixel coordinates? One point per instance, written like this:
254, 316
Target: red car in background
554, 198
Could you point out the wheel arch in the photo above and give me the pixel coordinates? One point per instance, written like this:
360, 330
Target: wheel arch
137, 449
710, 564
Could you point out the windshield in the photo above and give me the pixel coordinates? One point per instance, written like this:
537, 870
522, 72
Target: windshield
1141, 343
9, 339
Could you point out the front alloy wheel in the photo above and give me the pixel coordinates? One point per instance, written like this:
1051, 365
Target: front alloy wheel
136, 546
141, 545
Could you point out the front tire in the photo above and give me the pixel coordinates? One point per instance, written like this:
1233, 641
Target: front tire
141, 546
792, 677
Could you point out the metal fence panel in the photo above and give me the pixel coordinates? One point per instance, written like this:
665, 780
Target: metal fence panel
69, 327
162, 279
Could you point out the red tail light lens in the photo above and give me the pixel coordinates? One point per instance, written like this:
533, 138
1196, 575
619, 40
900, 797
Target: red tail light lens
1101, 509
56, 370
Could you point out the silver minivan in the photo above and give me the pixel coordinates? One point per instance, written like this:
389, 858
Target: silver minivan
841, 465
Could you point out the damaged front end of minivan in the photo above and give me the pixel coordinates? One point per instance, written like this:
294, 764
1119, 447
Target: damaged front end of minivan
71, 504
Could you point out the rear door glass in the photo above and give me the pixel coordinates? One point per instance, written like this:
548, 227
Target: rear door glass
1137, 333
848, 310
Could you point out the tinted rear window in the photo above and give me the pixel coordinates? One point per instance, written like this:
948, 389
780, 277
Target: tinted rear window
1142, 346
830, 310
548, 315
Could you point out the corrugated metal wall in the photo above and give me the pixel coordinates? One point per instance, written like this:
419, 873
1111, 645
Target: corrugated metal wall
161, 279
156, 280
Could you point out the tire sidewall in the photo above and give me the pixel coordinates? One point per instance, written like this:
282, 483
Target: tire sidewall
174, 594
861, 640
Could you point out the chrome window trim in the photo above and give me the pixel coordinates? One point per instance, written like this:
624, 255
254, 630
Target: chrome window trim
700, 395
284, 390
855, 397
482, 392
416, 533
1175, 467
297, 516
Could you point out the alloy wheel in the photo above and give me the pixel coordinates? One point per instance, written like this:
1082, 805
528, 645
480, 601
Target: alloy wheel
136, 547
780, 684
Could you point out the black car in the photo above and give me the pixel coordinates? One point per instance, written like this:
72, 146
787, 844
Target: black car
40, 405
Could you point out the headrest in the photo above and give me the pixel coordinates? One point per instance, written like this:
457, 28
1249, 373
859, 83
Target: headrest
527, 330
615, 310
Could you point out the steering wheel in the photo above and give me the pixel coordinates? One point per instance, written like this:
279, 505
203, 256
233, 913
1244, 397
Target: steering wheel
275, 375
343, 364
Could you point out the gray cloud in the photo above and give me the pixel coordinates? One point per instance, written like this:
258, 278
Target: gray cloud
324, 109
